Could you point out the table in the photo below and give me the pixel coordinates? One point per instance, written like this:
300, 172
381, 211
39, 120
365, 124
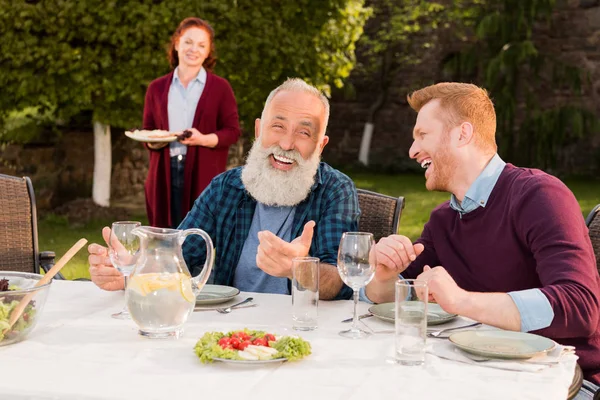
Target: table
77, 351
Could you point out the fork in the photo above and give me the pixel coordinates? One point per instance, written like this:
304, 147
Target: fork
438, 333
227, 310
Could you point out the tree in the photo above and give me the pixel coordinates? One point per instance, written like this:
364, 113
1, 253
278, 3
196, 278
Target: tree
403, 30
100, 55
506, 60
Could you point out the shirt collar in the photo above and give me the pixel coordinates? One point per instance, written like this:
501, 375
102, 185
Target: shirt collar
201, 77
480, 190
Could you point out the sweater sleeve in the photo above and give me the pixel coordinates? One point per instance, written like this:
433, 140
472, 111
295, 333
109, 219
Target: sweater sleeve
148, 121
550, 223
428, 256
228, 121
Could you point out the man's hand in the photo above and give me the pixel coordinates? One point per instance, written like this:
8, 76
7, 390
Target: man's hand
103, 274
274, 255
443, 289
394, 255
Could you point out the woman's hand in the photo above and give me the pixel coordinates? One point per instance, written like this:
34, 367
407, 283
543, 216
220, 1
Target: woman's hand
200, 139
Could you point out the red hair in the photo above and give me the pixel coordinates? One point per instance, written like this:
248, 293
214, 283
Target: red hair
462, 102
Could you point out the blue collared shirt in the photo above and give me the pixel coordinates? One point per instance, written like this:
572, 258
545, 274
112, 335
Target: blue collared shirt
182, 106
479, 192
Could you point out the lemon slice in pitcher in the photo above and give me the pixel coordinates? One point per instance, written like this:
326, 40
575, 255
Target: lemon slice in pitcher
152, 282
186, 289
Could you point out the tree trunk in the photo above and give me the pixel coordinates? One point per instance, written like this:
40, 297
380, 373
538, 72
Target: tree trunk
385, 79
365, 143
102, 164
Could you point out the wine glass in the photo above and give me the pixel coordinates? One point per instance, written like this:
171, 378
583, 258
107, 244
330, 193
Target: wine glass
123, 250
356, 266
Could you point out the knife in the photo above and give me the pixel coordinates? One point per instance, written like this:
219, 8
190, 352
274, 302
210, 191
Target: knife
359, 317
215, 308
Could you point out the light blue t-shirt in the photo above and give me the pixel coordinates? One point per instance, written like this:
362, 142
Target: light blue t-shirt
182, 107
248, 277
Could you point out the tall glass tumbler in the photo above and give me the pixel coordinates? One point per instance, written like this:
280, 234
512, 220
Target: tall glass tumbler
124, 250
305, 293
411, 321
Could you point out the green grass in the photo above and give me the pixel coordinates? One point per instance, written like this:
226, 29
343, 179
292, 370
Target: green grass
419, 202
57, 235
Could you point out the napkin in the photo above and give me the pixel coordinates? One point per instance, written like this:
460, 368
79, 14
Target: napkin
446, 350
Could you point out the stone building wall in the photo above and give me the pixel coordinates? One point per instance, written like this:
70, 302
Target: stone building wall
62, 170
574, 38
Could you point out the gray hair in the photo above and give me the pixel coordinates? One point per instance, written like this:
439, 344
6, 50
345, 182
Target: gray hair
297, 85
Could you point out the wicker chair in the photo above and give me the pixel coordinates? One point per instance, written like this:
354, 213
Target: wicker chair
18, 224
379, 214
593, 223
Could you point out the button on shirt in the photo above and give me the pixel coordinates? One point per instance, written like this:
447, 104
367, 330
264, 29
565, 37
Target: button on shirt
182, 106
534, 307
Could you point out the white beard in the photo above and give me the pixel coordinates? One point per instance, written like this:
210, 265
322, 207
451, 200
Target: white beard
274, 187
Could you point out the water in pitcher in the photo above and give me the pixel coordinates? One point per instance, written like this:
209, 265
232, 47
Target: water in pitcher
160, 302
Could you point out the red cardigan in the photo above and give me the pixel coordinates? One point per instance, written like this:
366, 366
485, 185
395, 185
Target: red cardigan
216, 113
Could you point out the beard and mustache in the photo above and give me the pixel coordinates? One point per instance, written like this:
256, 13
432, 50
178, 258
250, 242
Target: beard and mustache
274, 187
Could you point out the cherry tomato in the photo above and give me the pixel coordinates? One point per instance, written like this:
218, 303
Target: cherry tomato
244, 344
224, 342
243, 335
260, 342
270, 337
235, 342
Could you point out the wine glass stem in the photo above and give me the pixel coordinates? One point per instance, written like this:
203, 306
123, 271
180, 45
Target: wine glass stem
355, 316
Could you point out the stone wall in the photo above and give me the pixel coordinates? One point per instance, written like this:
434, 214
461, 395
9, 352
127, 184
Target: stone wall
62, 169
574, 37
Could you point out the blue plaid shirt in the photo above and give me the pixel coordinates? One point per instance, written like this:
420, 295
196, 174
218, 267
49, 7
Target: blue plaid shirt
225, 210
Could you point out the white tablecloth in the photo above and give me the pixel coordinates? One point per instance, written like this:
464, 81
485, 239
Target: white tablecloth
78, 351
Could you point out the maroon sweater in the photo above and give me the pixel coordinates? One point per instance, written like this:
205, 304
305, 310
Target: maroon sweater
531, 234
216, 113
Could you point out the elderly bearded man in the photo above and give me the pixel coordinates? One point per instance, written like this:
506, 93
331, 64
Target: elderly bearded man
262, 215
510, 249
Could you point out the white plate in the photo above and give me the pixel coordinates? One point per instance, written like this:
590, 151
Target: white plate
502, 344
435, 314
216, 294
250, 362
150, 136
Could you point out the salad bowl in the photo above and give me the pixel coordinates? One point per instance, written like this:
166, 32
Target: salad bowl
14, 286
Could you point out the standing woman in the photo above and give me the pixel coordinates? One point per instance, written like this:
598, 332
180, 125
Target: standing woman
190, 98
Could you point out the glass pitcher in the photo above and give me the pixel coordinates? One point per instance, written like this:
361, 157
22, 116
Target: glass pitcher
161, 293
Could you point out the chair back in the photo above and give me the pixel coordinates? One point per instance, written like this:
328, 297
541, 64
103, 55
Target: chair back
379, 213
593, 223
18, 225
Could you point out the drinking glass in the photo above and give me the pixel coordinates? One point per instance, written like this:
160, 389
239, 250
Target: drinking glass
411, 321
123, 250
305, 293
356, 266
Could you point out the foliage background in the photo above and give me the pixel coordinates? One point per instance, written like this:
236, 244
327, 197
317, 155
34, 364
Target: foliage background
62, 58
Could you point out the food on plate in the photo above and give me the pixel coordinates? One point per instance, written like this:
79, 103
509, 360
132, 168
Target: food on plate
154, 134
185, 135
250, 345
7, 305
